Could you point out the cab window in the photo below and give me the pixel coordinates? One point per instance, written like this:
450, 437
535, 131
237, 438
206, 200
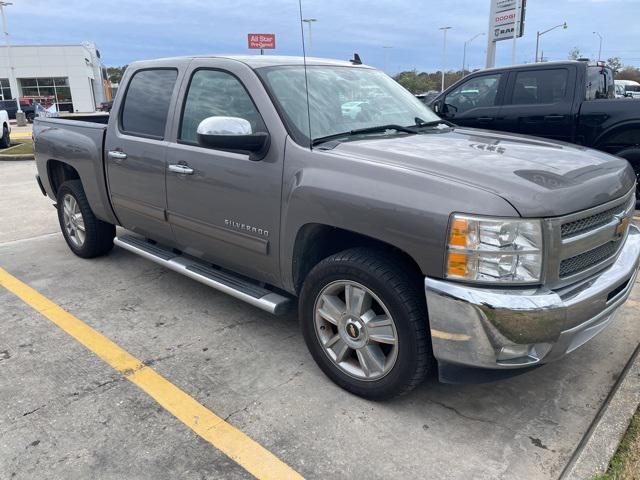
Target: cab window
216, 93
475, 93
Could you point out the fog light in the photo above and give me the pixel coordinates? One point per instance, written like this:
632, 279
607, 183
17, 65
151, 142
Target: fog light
523, 354
511, 352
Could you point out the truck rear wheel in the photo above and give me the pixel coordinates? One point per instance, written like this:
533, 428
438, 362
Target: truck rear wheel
364, 320
86, 235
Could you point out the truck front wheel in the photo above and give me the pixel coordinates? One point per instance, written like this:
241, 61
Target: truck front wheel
632, 155
86, 235
364, 320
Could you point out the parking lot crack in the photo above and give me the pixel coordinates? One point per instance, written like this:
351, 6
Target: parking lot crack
32, 411
469, 417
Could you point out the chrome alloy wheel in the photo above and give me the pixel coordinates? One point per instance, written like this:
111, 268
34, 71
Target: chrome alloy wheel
356, 330
73, 221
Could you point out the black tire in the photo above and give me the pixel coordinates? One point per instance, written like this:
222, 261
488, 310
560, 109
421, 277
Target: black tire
30, 116
388, 278
632, 155
5, 142
98, 234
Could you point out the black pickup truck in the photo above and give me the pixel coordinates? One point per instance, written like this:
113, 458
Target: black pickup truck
571, 101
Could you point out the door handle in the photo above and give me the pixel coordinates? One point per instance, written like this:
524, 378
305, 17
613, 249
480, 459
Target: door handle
486, 119
554, 118
117, 155
181, 169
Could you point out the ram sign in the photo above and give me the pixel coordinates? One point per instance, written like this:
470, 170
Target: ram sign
503, 19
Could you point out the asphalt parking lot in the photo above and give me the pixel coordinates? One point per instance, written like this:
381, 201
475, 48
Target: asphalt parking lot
66, 414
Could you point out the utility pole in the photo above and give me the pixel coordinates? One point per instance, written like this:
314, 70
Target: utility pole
599, 49
309, 21
13, 83
516, 28
464, 50
444, 54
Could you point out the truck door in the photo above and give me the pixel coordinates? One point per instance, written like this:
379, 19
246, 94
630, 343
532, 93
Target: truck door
136, 149
223, 205
474, 103
540, 102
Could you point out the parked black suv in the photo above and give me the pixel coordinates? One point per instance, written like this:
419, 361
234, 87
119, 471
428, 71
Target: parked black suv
11, 108
571, 101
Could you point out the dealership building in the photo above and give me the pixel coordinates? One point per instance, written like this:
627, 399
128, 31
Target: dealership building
69, 76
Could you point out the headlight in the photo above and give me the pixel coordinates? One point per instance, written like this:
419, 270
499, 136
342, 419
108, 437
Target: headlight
494, 250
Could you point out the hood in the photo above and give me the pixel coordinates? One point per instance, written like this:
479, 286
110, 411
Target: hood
540, 178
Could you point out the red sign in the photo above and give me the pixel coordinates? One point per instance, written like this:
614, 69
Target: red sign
262, 40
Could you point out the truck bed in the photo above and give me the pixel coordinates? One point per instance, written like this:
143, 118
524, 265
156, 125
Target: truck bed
77, 141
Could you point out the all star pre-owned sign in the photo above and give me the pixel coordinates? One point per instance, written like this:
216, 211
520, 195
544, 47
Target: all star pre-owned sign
506, 15
262, 40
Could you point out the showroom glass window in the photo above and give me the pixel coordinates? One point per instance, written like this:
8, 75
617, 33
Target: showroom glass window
216, 93
146, 103
540, 87
48, 90
5, 89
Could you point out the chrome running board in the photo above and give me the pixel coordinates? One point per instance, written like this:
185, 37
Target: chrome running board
202, 272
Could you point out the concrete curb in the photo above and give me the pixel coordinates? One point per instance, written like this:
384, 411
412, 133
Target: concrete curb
14, 158
593, 454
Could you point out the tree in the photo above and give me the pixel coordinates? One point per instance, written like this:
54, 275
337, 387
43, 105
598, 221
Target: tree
629, 73
575, 53
615, 63
115, 73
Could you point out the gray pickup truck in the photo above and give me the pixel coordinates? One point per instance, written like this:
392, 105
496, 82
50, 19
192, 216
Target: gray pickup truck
412, 245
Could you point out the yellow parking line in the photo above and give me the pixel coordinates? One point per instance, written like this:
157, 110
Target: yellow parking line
232, 442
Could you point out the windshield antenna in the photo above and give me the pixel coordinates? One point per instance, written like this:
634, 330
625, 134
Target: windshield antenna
306, 80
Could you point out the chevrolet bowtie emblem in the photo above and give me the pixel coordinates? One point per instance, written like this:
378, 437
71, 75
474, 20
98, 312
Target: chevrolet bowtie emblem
623, 223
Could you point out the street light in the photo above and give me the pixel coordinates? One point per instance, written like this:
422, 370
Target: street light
12, 79
444, 53
464, 50
386, 57
539, 34
309, 21
600, 49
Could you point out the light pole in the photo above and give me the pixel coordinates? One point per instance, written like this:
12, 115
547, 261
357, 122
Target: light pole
464, 50
309, 21
539, 34
444, 53
12, 80
386, 57
599, 49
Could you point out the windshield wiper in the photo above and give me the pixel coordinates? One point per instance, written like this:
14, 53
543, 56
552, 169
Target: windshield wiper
421, 123
364, 131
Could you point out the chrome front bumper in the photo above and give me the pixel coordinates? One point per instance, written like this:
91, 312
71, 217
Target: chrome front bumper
511, 328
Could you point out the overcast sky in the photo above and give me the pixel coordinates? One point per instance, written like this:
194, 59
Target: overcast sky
131, 30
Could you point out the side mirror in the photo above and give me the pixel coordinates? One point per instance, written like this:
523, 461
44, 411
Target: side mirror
232, 133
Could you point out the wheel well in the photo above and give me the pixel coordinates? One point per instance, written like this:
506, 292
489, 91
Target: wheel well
59, 173
621, 138
316, 242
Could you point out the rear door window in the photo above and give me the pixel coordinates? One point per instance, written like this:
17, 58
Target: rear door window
146, 103
540, 87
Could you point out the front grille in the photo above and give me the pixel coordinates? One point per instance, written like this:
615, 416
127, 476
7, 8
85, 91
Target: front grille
588, 259
591, 222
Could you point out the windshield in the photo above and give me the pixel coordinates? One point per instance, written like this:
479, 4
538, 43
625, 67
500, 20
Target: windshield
341, 99
600, 83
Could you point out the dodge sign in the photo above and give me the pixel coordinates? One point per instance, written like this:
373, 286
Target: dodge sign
503, 19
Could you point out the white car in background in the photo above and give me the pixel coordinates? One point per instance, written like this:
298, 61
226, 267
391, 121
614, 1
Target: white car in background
5, 141
631, 88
